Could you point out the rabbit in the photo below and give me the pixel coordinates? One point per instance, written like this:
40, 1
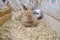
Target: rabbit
26, 17
37, 13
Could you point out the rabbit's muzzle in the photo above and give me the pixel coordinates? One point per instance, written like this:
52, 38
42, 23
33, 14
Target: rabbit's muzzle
29, 22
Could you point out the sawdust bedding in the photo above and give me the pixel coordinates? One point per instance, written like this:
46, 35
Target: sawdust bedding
13, 30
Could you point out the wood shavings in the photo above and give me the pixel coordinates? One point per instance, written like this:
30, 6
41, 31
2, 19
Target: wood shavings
15, 31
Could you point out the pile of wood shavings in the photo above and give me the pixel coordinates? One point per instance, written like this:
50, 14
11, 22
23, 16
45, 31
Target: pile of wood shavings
12, 30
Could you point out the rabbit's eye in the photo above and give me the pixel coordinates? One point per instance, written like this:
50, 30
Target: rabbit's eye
24, 7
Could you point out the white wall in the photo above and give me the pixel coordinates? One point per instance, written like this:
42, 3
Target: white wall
51, 13
52, 9
55, 24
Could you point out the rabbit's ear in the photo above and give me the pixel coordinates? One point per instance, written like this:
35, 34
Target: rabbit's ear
24, 7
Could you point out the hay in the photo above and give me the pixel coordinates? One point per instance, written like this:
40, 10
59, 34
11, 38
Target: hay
13, 30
